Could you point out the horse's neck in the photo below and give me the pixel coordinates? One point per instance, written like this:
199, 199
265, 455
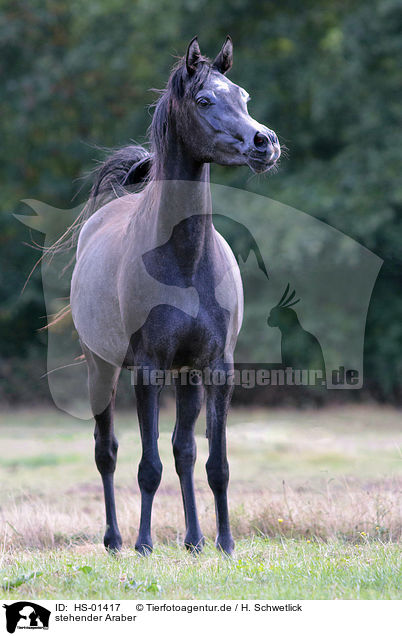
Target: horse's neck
184, 202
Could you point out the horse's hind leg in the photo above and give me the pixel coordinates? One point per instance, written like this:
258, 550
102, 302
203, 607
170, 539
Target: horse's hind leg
189, 400
150, 467
102, 379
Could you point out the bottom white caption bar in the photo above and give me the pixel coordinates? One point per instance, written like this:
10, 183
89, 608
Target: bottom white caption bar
318, 617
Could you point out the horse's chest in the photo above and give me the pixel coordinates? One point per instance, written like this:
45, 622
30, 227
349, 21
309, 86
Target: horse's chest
189, 310
176, 338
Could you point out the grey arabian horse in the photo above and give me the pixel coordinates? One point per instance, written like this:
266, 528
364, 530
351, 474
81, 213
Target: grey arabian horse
155, 287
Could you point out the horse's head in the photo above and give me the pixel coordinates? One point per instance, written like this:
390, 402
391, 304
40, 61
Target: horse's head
210, 116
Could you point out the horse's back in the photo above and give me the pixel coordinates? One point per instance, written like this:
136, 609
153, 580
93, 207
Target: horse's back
111, 219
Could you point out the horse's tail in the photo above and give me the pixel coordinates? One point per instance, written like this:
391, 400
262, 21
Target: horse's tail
125, 167
123, 170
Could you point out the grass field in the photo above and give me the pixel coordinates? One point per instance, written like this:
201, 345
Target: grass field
315, 500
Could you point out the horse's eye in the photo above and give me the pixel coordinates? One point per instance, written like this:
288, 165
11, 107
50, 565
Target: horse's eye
203, 101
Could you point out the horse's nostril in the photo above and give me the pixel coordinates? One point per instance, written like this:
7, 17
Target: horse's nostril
260, 141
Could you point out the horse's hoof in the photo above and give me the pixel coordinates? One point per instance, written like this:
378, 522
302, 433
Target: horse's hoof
195, 546
144, 548
112, 543
225, 544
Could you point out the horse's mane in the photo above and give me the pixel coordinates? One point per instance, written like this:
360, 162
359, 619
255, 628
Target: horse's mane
178, 85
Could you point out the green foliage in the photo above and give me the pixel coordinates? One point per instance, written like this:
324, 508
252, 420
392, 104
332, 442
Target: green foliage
325, 75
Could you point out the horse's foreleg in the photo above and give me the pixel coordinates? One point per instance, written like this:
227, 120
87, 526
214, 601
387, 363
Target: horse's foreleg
188, 403
150, 467
218, 400
102, 384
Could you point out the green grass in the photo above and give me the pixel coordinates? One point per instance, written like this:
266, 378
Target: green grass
261, 568
314, 498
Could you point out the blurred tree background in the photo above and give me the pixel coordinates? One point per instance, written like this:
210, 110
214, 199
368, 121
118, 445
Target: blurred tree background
325, 74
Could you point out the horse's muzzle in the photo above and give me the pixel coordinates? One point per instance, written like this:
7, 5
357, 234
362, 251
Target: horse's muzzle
265, 150
264, 161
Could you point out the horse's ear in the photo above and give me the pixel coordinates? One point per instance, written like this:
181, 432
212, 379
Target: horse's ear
224, 60
192, 56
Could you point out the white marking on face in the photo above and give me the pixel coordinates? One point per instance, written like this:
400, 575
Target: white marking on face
221, 84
